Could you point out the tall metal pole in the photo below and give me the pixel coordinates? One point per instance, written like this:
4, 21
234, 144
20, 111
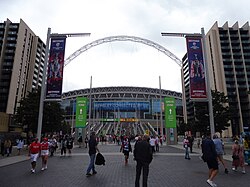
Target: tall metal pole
90, 104
49, 35
40, 114
209, 95
72, 122
161, 107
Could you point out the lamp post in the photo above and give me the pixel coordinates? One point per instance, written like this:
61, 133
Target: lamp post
90, 104
43, 86
209, 95
161, 121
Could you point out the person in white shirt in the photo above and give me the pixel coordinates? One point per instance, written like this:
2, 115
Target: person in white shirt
152, 143
20, 144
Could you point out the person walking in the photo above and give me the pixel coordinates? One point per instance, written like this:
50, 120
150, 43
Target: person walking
2, 147
69, 144
186, 145
7, 147
210, 157
126, 148
45, 153
20, 144
34, 151
79, 141
152, 143
157, 144
92, 154
219, 151
63, 145
143, 156
190, 143
52, 145
198, 142
86, 141
238, 157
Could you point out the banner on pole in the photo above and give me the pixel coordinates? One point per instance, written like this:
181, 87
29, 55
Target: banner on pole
55, 68
81, 112
170, 112
196, 68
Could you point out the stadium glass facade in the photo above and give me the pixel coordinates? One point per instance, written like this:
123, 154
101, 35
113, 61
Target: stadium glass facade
135, 106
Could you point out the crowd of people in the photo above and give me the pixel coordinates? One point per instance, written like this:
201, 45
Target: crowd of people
212, 149
48, 147
145, 147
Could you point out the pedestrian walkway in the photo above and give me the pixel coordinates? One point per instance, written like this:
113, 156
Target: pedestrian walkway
196, 150
168, 168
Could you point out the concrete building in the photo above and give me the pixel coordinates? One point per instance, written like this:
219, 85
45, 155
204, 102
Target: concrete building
228, 52
22, 56
228, 59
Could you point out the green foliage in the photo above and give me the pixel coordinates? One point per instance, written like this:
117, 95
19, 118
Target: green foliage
221, 112
28, 110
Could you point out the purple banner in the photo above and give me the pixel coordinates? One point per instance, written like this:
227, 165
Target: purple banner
55, 68
196, 68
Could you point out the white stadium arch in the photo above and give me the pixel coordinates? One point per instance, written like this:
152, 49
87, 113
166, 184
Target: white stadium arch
123, 38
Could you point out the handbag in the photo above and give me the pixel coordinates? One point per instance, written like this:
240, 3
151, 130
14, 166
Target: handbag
100, 160
235, 157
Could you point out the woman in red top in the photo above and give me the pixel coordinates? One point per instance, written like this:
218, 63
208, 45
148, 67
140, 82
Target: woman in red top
44, 153
34, 150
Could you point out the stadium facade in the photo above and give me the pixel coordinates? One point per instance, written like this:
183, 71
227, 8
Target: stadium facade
133, 109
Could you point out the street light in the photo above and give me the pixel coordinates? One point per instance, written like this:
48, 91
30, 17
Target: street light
209, 95
49, 35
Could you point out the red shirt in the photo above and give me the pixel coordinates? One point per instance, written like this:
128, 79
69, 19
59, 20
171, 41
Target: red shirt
44, 146
35, 147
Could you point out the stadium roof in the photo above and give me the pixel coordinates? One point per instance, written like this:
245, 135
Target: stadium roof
121, 92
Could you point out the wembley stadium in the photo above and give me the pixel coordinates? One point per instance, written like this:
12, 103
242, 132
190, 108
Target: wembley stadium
130, 110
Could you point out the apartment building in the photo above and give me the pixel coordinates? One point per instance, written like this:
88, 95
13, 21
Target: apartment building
228, 59
228, 52
22, 56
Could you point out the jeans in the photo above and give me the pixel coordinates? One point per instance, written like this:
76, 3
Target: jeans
91, 163
186, 153
139, 166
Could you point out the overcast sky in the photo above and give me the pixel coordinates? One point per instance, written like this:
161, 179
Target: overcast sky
123, 63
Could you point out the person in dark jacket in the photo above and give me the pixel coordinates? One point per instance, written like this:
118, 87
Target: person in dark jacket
92, 154
143, 156
210, 156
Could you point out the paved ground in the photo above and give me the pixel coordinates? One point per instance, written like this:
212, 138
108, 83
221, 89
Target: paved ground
168, 168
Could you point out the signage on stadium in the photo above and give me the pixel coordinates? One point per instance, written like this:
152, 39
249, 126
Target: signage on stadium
121, 120
128, 120
122, 106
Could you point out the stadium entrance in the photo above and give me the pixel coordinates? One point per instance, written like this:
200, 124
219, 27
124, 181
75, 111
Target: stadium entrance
131, 114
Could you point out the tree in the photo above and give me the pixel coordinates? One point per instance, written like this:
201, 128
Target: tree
221, 112
53, 117
28, 110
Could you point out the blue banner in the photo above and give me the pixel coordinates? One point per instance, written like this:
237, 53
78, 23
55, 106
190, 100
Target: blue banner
122, 106
55, 68
196, 68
